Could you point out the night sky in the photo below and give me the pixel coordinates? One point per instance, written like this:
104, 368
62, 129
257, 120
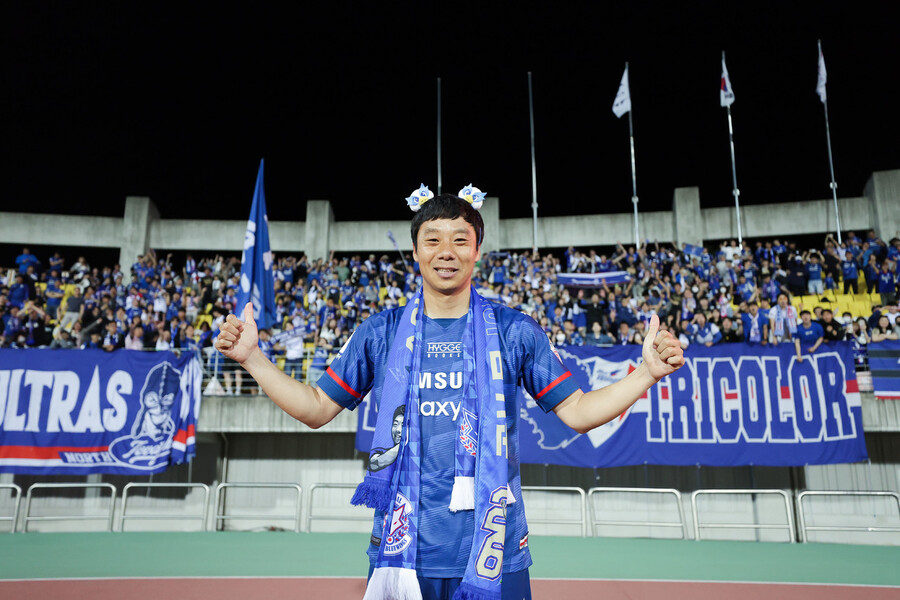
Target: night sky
104, 100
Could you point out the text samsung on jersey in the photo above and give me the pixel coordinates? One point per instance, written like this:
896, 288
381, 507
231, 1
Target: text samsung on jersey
440, 381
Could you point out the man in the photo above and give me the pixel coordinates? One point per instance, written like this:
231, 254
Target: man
729, 333
705, 333
456, 361
756, 328
809, 334
832, 330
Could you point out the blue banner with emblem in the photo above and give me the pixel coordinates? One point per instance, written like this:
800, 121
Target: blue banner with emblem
77, 412
730, 405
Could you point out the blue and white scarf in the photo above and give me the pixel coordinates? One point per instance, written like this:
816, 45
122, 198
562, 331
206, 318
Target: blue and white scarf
481, 470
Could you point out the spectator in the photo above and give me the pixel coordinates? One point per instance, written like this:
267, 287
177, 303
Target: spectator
809, 334
832, 330
755, 325
814, 272
598, 337
887, 283
135, 341
704, 333
729, 333
883, 330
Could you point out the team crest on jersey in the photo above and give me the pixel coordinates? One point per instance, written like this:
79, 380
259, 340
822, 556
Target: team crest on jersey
468, 435
398, 537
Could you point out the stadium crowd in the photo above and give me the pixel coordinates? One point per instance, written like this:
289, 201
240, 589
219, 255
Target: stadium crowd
769, 293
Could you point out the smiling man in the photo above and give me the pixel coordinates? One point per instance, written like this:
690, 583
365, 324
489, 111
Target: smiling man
449, 517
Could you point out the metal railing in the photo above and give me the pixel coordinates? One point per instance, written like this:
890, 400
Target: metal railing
582, 499
17, 493
789, 526
220, 497
310, 517
59, 486
164, 516
801, 513
681, 524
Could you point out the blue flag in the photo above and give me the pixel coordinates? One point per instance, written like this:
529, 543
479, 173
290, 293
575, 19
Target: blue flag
257, 278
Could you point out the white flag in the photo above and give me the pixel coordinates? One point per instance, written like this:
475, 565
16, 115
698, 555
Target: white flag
726, 94
622, 103
823, 77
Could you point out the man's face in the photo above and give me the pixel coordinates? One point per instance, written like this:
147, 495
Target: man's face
446, 251
397, 429
806, 318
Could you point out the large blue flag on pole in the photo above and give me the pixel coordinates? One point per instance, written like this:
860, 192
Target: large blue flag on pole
257, 280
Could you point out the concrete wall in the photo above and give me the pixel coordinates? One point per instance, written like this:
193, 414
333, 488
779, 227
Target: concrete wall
883, 190
141, 226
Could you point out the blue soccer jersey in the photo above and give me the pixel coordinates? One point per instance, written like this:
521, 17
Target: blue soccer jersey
445, 538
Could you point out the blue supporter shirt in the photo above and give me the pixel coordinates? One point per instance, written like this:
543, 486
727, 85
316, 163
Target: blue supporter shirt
886, 283
814, 271
445, 538
809, 335
849, 270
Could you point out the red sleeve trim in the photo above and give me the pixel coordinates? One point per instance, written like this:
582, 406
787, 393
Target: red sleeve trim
553, 384
341, 383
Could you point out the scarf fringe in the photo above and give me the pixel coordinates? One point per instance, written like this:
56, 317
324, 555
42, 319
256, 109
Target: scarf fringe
462, 497
466, 591
393, 583
373, 493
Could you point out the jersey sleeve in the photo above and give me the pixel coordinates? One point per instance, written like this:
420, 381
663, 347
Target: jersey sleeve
544, 375
349, 377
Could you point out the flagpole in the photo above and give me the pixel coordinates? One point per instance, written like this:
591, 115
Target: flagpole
735, 191
634, 196
439, 136
837, 212
534, 202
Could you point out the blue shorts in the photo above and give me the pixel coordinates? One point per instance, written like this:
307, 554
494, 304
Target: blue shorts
514, 586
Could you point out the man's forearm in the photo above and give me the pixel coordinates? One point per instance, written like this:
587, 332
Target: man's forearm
303, 402
583, 412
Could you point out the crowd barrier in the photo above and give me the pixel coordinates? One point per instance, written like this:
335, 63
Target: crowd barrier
587, 520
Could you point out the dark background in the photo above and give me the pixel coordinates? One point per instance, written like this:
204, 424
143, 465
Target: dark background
179, 103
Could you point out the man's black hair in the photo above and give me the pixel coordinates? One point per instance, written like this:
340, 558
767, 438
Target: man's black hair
805, 312
447, 206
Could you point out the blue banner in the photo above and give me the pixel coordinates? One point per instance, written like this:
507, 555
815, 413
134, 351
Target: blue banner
730, 405
884, 361
592, 279
75, 412
257, 278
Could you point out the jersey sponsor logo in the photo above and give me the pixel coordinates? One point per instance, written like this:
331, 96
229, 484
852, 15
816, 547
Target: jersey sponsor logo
440, 381
398, 537
443, 349
440, 409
